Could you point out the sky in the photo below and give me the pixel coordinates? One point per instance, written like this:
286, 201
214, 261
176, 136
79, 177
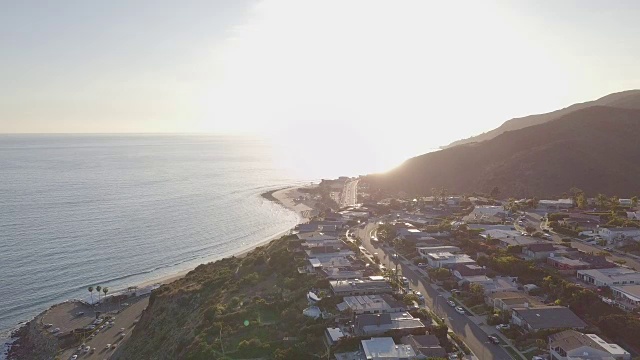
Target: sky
383, 80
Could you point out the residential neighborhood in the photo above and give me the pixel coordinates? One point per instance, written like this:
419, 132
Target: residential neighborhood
539, 279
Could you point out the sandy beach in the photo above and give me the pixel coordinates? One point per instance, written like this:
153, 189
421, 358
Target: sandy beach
285, 197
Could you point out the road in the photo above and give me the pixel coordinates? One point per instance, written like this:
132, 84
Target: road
461, 325
349, 196
111, 335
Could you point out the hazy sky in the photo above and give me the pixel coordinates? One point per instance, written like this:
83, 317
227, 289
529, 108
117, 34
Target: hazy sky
391, 78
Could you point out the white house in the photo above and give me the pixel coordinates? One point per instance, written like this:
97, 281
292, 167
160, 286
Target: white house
448, 260
385, 348
619, 233
609, 277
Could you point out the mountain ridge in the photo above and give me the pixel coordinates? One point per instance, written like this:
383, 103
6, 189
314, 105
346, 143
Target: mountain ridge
629, 99
594, 149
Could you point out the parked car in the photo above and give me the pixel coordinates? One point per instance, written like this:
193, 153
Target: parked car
108, 347
459, 310
502, 327
451, 303
493, 339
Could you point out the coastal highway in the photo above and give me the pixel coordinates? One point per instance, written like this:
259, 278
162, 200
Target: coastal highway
461, 325
349, 196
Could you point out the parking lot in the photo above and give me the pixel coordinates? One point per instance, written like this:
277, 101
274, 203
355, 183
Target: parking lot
111, 335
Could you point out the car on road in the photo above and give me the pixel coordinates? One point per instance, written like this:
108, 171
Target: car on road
74, 357
502, 327
108, 347
459, 310
493, 339
451, 303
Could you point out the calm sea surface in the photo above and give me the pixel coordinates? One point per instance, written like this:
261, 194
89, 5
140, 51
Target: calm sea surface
115, 211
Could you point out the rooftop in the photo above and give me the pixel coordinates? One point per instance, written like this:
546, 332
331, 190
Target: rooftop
550, 317
386, 348
632, 291
570, 340
612, 274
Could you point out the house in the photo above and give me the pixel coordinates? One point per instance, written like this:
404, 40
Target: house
460, 271
567, 265
371, 304
609, 277
580, 221
486, 214
625, 202
571, 344
341, 273
633, 215
376, 324
425, 345
618, 233
555, 205
360, 287
579, 261
333, 335
506, 238
425, 250
546, 318
507, 300
501, 284
627, 297
315, 236
482, 280
385, 348
539, 251
447, 259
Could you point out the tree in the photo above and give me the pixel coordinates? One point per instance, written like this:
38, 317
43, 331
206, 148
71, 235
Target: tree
634, 201
105, 290
441, 331
477, 293
91, 291
581, 201
601, 201
443, 194
495, 192
409, 299
98, 288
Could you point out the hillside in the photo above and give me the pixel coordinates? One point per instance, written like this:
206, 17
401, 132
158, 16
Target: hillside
595, 149
235, 308
625, 100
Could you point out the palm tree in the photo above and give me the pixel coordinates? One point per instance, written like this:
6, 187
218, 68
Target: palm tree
91, 291
105, 290
98, 288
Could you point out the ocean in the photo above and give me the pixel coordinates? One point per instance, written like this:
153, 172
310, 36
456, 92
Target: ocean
87, 210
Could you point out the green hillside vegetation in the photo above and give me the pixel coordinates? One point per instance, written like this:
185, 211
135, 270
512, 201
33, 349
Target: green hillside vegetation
235, 308
594, 149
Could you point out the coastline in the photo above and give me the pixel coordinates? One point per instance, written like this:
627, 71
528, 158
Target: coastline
284, 197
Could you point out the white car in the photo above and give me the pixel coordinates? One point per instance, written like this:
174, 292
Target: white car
451, 303
74, 357
502, 327
459, 310
108, 346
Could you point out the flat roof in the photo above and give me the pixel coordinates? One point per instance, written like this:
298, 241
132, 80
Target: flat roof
385, 347
612, 274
